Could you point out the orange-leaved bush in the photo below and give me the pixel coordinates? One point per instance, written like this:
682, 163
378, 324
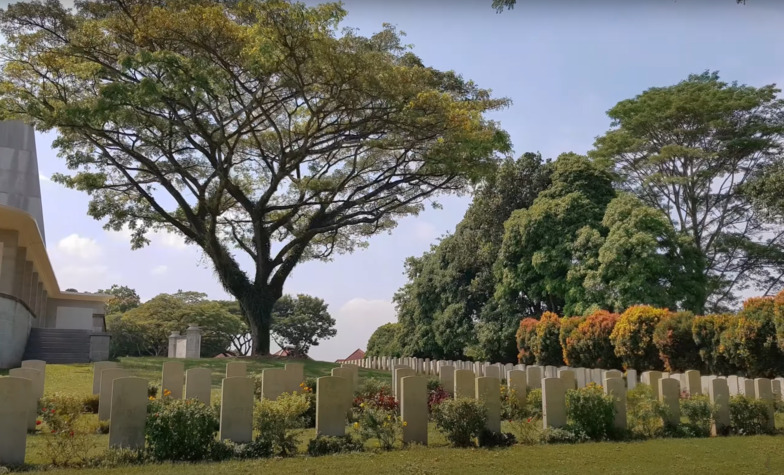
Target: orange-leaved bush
707, 331
526, 334
547, 346
632, 337
590, 346
750, 341
568, 328
674, 339
778, 310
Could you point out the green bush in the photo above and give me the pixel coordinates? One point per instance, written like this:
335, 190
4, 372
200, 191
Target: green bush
546, 345
488, 438
534, 402
591, 412
748, 416
381, 424
152, 389
674, 339
461, 420
644, 414
778, 311
750, 341
225, 450
632, 337
698, 411
566, 338
566, 435
328, 445
91, 404
66, 431
707, 332
278, 421
180, 430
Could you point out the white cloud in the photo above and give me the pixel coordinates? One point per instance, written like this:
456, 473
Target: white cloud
78, 246
87, 278
157, 238
43, 177
356, 320
159, 270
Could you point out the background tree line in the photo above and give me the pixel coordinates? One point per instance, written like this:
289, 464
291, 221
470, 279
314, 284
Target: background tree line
677, 206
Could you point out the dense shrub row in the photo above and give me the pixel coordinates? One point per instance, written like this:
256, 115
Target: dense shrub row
749, 343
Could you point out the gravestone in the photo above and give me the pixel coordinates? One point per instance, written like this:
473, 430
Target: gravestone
236, 369
516, 382
732, 384
669, 395
553, 403
413, 409
692, 381
400, 373
97, 368
550, 372
173, 379
492, 371
446, 376
198, 385
719, 395
105, 395
236, 413
464, 384
763, 392
567, 376
354, 369
748, 387
274, 382
651, 378
612, 373
38, 383
488, 391
579, 376
333, 396
395, 367
16, 394
479, 369
597, 376
616, 388
533, 377
705, 383
776, 388
128, 413
295, 375
631, 379
34, 376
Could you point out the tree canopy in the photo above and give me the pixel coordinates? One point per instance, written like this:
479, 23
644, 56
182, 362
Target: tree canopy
257, 130
300, 322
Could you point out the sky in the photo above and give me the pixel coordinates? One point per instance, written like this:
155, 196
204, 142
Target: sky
562, 63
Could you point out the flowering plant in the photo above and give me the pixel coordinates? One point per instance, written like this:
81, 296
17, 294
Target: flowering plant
381, 424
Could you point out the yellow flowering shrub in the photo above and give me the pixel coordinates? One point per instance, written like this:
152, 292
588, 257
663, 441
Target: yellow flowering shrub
632, 337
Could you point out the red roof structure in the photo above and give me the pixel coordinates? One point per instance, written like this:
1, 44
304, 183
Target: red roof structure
356, 355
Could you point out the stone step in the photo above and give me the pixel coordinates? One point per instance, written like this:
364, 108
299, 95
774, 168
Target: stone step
58, 346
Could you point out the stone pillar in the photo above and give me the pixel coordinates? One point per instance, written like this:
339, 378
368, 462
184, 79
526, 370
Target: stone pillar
33, 303
400, 373
40, 308
16, 394
97, 368
413, 409
651, 378
692, 381
533, 376
36, 388
332, 393
669, 395
719, 395
236, 414
516, 382
21, 259
567, 376
10, 240
236, 369
553, 403
464, 383
173, 338
173, 379
616, 388
108, 376
128, 413
198, 385
488, 391
447, 378
274, 382
27, 283
193, 342
763, 392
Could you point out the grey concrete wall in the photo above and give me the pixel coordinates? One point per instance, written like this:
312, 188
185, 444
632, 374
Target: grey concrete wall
20, 185
15, 323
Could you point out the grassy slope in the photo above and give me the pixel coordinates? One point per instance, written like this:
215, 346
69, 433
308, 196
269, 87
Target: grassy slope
735, 455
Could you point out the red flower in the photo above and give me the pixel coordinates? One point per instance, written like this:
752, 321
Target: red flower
529, 419
38, 423
52, 411
71, 433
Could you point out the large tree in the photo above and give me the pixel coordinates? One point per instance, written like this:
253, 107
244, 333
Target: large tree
688, 150
501, 5
123, 298
300, 322
253, 128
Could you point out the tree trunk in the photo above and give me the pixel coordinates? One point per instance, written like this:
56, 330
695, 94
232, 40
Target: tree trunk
257, 307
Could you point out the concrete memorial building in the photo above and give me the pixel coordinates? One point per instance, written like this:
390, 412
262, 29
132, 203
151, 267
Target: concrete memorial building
37, 319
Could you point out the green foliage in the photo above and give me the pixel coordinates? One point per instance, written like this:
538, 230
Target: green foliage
546, 345
778, 308
488, 438
301, 322
534, 402
565, 435
590, 411
91, 404
329, 445
748, 416
589, 344
384, 341
379, 424
632, 337
461, 420
526, 335
277, 422
123, 298
675, 147
67, 432
674, 338
644, 414
750, 340
180, 430
707, 332
698, 411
